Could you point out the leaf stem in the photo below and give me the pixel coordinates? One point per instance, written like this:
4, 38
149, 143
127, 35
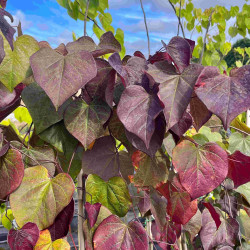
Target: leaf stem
145, 22
73, 155
85, 18
217, 126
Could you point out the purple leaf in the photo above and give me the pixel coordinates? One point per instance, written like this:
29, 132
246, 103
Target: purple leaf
2, 52
113, 232
144, 204
175, 89
156, 140
105, 161
180, 51
226, 234
4, 149
92, 211
62, 76
137, 111
160, 56
192, 45
183, 124
60, 227
214, 214
223, 95
229, 204
24, 238
7, 30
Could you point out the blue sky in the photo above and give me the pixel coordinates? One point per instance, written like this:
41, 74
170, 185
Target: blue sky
46, 20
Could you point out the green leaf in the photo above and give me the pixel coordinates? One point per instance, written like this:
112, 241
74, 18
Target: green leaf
240, 50
245, 191
244, 221
239, 142
232, 31
15, 66
40, 199
98, 32
112, 194
189, 7
234, 10
7, 220
22, 115
211, 136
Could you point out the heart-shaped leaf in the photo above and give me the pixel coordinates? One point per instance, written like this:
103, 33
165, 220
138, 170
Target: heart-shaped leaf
182, 125
41, 191
15, 66
104, 159
60, 227
24, 238
45, 242
113, 194
212, 237
113, 232
6, 97
92, 212
239, 142
180, 207
85, 121
62, 76
201, 168
175, 89
11, 172
137, 111
239, 168
225, 96
35, 99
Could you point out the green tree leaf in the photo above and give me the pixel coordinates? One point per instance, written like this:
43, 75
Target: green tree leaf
245, 191
239, 142
22, 115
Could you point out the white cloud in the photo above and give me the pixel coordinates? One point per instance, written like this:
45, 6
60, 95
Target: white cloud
20, 16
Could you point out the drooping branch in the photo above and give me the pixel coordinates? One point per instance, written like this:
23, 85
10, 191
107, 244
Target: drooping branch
179, 19
145, 21
85, 18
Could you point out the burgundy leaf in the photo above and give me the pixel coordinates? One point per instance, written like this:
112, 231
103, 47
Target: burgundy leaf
180, 51
199, 112
175, 89
53, 72
192, 45
7, 30
144, 204
156, 140
223, 95
104, 160
212, 237
60, 227
3, 3
92, 211
160, 56
183, 124
139, 54
214, 214
24, 238
11, 172
2, 52
4, 149
137, 111
180, 207
113, 232
133, 72
201, 168
239, 168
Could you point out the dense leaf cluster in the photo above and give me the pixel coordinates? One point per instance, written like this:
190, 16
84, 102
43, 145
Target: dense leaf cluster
131, 123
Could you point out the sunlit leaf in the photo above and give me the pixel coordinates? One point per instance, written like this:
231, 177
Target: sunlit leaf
239, 142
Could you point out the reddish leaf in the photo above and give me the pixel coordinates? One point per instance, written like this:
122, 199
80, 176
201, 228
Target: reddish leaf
144, 203
92, 211
160, 56
53, 72
24, 238
11, 172
201, 168
104, 160
60, 227
175, 89
137, 111
192, 45
180, 52
214, 214
226, 234
180, 207
113, 232
139, 54
239, 168
223, 95
182, 125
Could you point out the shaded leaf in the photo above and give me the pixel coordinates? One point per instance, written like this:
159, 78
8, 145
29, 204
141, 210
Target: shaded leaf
60, 227
113, 194
113, 232
24, 238
229, 204
36, 99
245, 191
225, 96
182, 125
41, 191
137, 111
144, 204
53, 72
85, 121
2, 52
239, 142
169, 144
244, 221
200, 168
11, 172
16, 66
175, 90
92, 211
104, 159
239, 168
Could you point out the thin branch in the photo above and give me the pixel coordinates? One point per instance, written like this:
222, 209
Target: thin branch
217, 126
205, 38
73, 155
145, 22
179, 19
85, 18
